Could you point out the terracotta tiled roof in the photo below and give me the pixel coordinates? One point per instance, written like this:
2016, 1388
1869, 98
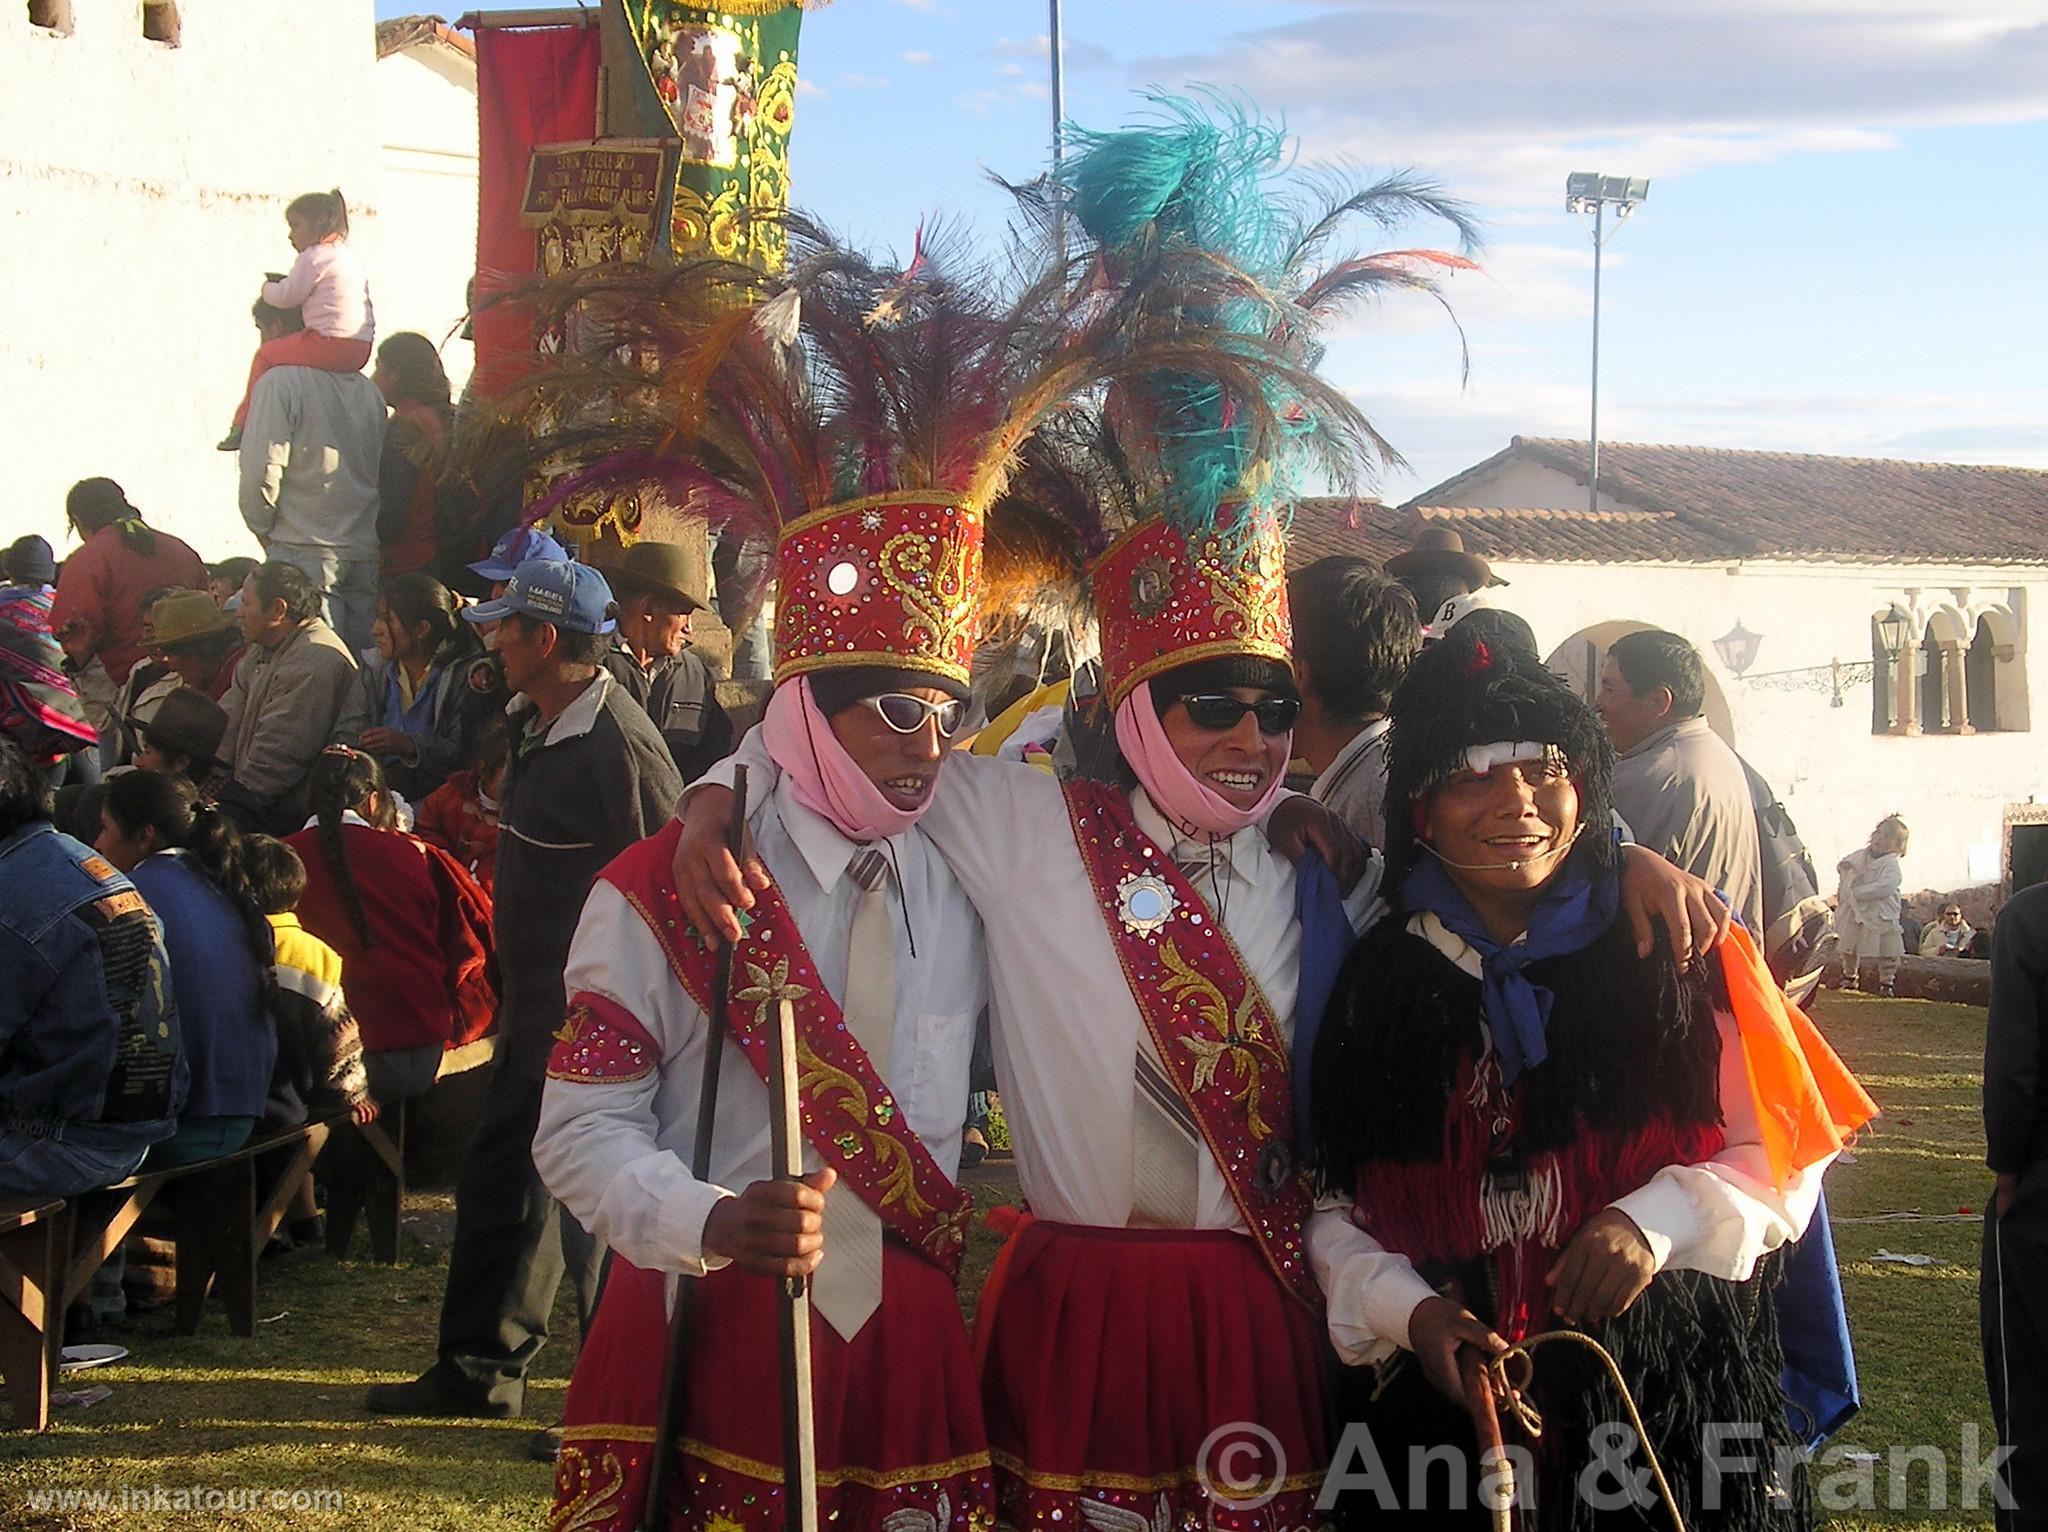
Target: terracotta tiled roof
1703, 504
1378, 532
402, 32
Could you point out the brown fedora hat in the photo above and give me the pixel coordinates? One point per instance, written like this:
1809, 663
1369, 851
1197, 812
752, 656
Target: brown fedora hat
185, 617
185, 723
670, 569
1438, 551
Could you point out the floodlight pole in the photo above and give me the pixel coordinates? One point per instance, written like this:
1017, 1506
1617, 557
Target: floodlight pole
1583, 193
1593, 427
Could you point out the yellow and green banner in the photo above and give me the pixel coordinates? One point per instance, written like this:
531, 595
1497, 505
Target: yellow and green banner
726, 76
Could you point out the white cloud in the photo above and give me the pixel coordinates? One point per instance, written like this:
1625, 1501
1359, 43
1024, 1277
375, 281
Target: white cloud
1502, 97
917, 58
1443, 430
858, 81
1039, 47
928, 7
806, 86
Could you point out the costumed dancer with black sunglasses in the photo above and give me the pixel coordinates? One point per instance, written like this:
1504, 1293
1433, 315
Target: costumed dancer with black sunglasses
1141, 928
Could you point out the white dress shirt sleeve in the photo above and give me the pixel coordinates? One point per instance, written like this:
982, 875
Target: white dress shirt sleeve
1370, 1293
1724, 1214
752, 754
597, 1148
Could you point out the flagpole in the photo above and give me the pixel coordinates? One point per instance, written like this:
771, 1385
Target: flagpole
1056, 59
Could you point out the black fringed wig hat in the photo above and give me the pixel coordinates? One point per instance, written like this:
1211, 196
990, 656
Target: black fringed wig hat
1465, 691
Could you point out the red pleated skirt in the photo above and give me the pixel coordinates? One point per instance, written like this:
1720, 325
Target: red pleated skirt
898, 1415
1163, 1373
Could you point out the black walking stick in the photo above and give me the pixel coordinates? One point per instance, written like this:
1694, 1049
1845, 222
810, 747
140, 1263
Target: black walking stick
668, 1429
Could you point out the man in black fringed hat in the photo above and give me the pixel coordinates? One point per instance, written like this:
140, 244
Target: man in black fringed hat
1537, 1128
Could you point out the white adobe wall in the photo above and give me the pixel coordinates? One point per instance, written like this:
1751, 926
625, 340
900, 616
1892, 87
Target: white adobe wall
142, 194
1836, 777
1519, 484
426, 119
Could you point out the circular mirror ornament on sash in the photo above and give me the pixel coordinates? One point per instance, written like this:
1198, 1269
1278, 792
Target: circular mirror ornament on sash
1144, 903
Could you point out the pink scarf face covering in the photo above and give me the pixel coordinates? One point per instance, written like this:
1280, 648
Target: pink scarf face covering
825, 779
1193, 807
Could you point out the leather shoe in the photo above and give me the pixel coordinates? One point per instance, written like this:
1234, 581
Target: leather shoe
430, 1394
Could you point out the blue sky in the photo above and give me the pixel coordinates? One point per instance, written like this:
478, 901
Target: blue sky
1839, 253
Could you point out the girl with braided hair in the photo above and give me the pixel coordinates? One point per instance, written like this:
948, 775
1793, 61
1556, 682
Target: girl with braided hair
412, 927
187, 860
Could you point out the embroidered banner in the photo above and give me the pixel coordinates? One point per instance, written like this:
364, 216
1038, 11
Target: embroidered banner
849, 1115
1222, 1045
726, 77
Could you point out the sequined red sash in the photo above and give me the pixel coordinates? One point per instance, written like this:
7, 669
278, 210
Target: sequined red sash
849, 1115
1222, 1045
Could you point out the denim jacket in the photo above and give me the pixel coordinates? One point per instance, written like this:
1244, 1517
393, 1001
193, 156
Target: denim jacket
89, 1050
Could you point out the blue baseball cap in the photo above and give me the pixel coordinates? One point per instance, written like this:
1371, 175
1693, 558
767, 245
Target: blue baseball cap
516, 547
574, 597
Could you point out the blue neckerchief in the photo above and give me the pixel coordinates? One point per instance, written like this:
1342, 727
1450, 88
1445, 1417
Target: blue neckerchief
1326, 940
1575, 910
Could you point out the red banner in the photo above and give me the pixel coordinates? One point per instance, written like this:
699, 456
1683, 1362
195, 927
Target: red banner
534, 86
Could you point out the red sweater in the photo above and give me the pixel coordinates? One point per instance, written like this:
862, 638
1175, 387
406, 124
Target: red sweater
98, 607
432, 975
452, 817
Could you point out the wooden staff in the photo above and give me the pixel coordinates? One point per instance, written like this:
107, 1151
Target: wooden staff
1485, 1412
668, 1428
799, 1443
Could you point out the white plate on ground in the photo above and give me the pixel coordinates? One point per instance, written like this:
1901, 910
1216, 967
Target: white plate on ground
77, 1358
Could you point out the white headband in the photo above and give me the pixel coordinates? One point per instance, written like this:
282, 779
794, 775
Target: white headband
1483, 758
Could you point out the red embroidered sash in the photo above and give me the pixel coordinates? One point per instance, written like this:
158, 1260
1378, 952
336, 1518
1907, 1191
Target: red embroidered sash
849, 1115
1222, 1046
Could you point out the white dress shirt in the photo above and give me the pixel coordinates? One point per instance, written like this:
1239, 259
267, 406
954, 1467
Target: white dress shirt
1066, 1028
1720, 1216
617, 1154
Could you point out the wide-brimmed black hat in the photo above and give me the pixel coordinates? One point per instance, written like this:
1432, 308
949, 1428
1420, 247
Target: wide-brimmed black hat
1441, 551
184, 723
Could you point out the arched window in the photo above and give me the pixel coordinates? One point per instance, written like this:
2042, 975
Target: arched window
1980, 677
50, 15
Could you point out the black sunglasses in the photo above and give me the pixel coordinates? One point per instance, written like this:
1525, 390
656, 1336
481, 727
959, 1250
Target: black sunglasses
1219, 712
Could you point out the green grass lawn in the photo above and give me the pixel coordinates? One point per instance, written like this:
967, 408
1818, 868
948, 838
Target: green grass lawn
283, 1411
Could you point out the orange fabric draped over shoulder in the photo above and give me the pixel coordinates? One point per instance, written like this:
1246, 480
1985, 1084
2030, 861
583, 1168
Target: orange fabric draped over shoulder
1806, 1100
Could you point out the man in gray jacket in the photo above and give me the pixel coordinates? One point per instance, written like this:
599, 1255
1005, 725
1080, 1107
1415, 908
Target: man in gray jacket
294, 694
1681, 790
310, 455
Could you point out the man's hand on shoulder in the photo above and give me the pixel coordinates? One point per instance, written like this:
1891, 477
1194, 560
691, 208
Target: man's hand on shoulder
1652, 890
712, 888
1299, 824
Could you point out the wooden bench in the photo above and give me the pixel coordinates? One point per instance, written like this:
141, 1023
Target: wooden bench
221, 1223
381, 1197
31, 1318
